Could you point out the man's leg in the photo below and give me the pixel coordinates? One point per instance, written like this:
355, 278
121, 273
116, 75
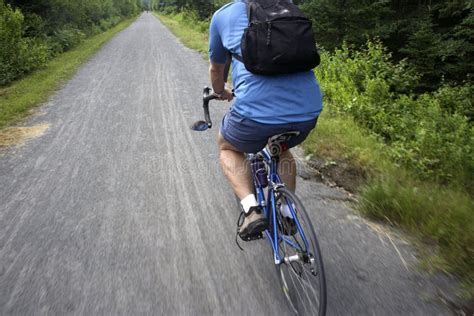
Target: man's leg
235, 168
237, 171
287, 170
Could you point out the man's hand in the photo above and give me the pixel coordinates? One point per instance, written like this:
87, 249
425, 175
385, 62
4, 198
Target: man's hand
225, 95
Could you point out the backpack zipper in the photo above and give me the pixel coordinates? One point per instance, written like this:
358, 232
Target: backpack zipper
269, 33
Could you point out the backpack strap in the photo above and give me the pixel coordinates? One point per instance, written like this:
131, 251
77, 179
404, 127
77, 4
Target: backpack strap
248, 4
227, 66
238, 57
249, 11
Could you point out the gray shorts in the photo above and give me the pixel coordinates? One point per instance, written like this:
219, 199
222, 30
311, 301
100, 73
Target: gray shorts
250, 137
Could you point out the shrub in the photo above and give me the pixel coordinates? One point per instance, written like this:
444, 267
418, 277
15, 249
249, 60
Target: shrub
18, 55
431, 134
68, 37
168, 10
191, 19
109, 23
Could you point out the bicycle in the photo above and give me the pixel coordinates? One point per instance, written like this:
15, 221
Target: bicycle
296, 254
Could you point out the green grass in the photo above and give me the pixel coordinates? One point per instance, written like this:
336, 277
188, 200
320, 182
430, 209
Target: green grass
340, 138
442, 218
191, 32
22, 95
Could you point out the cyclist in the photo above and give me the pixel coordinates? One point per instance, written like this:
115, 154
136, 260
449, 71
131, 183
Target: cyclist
264, 106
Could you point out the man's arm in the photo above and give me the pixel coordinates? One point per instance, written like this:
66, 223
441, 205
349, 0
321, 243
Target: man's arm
219, 59
217, 74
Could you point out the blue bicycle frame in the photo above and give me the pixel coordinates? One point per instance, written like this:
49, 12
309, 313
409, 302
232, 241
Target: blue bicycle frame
269, 206
274, 183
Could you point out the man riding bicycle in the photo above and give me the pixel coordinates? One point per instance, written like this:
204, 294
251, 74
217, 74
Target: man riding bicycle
264, 106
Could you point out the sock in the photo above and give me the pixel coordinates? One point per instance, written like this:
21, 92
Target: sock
285, 210
248, 202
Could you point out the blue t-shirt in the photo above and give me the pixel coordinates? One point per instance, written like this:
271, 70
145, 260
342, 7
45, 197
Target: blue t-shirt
266, 99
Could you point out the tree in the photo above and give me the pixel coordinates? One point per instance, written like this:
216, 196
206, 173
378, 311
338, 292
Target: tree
435, 35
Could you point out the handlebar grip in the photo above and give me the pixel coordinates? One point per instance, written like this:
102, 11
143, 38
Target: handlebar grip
206, 91
207, 117
206, 98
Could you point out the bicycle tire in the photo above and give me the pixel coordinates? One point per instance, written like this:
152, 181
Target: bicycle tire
288, 271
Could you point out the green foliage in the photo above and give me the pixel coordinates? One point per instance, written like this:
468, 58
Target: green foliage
428, 134
109, 23
31, 32
68, 37
192, 20
186, 26
416, 150
348, 20
435, 36
338, 138
202, 9
18, 55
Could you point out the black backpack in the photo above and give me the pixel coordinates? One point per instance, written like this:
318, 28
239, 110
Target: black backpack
278, 40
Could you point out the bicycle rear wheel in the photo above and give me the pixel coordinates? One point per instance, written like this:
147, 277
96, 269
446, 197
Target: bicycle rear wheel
302, 273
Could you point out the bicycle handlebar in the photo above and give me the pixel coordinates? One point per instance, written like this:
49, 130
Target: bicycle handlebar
205, 104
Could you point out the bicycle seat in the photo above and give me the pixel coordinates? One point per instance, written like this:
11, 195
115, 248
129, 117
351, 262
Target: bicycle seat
279, 143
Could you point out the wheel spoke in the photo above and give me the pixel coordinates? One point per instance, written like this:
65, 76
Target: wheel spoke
302, 279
